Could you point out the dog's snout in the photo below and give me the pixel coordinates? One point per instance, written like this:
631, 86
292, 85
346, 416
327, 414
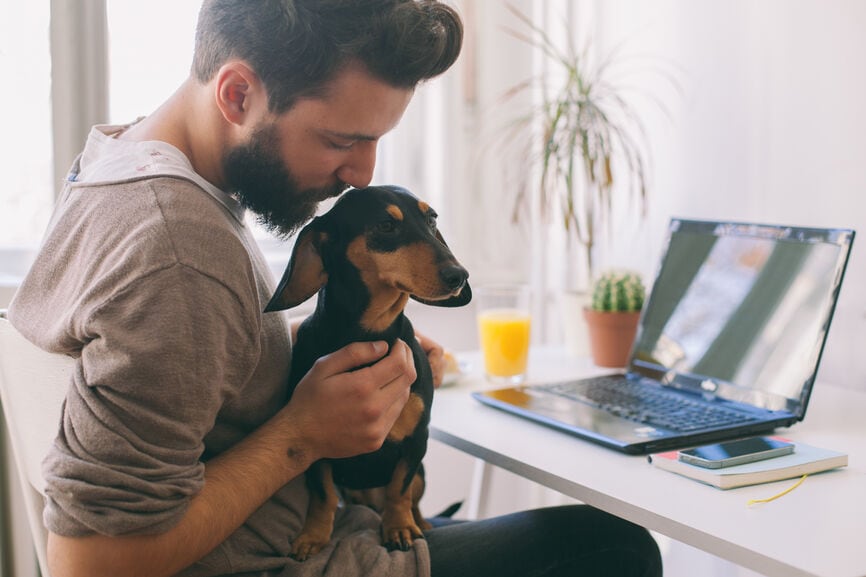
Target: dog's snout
454, 276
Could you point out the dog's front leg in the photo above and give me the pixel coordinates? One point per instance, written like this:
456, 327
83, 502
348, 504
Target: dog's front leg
398, 523
417, 488
319, 523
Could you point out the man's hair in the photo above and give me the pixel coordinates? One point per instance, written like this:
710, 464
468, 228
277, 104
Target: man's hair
298, 46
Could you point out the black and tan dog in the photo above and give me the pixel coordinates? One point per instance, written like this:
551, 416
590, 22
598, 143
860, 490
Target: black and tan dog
365, 257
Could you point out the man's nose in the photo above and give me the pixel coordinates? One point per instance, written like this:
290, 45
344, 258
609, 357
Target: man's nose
358, 168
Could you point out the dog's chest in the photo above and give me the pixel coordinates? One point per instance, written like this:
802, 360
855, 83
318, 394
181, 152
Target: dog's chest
408, 438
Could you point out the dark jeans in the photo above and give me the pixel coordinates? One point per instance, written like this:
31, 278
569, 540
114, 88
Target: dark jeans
575, 540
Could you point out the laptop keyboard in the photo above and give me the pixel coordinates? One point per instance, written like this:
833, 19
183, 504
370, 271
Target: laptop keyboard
649, 405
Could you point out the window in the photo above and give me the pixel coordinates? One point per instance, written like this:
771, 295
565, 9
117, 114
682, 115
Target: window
25, 149
150, 48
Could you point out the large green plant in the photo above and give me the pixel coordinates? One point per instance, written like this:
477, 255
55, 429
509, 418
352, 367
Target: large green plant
590, 138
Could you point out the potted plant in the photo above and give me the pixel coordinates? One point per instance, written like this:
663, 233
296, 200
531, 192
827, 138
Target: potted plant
588, 138
588, 142
612, 317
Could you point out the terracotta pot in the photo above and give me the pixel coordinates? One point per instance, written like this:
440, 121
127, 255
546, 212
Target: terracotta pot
610, 336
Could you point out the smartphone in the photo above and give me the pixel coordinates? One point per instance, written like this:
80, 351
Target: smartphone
737, 452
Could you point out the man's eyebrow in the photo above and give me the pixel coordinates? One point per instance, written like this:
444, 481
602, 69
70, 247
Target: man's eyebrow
350, 135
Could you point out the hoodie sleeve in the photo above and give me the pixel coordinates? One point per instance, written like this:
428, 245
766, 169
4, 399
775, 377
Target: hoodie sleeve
158, 363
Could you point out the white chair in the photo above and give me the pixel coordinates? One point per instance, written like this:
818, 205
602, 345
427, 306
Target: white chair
33, 384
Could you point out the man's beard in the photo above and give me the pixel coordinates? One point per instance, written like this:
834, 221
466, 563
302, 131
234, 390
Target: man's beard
256, 175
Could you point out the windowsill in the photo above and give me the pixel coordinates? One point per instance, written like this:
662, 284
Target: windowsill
14, 263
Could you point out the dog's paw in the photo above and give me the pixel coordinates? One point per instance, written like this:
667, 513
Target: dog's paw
305, 546
401, 537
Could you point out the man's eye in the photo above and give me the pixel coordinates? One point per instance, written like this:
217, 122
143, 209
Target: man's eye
386, 226
340, 145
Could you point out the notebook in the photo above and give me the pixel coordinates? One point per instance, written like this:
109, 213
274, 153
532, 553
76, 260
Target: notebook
728, 344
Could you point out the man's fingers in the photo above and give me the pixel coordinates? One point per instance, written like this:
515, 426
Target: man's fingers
353, 356
393, 373
362, 389
436, 357
437, 365
397, 368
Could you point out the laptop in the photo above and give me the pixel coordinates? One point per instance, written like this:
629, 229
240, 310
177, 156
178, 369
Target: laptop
728, 343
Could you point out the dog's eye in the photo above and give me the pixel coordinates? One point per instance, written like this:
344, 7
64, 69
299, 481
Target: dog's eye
386, 226
431, 220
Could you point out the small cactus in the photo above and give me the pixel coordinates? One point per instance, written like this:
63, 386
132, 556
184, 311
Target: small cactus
618, 292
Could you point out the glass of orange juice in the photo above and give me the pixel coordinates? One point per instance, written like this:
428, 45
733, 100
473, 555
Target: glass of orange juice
503, 327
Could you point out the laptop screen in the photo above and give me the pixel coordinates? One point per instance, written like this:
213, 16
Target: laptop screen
741, 311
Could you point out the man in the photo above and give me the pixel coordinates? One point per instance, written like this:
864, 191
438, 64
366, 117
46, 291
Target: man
178, 452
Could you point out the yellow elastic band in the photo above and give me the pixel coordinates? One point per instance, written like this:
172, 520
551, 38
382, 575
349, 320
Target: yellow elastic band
751, 502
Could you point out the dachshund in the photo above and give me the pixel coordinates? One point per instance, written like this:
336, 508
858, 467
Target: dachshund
377, 247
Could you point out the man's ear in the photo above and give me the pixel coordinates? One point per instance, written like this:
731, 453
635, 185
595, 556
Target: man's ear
305, 274
238, 91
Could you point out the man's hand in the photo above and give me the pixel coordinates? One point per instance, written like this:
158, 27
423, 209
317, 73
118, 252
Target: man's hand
436, 356
347, 411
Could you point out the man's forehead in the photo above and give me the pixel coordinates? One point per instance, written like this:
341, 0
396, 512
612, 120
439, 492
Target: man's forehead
357, 105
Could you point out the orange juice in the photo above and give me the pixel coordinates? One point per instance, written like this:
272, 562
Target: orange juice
504, 341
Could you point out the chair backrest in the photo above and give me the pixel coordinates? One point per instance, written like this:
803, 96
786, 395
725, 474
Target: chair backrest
33, 385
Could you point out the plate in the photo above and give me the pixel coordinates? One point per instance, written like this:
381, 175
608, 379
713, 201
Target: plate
452, 377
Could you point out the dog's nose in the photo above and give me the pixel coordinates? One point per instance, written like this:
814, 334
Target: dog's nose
454, 276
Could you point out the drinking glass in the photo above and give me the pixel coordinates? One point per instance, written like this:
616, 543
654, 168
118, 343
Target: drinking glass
504, 327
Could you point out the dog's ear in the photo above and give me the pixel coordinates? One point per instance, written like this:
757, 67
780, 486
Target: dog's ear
305, 274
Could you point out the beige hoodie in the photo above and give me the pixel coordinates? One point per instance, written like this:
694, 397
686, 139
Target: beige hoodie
149, 277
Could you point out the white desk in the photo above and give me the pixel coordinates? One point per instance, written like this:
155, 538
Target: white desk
818, 530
